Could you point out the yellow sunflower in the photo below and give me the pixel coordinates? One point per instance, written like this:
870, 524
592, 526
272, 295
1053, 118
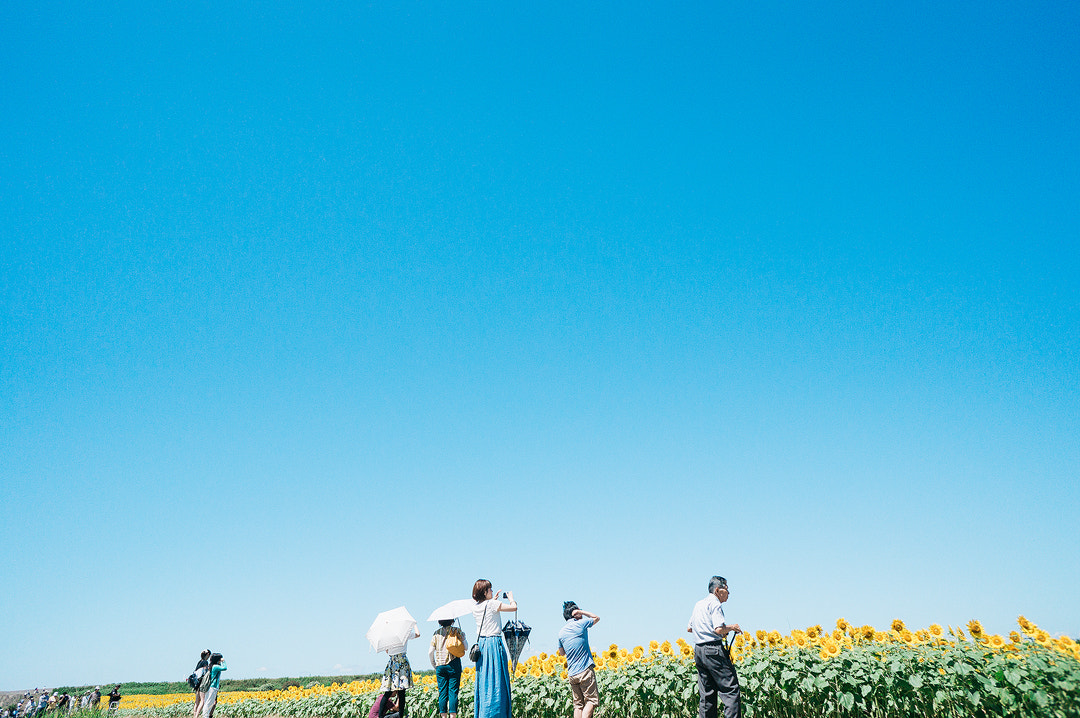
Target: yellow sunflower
897, 625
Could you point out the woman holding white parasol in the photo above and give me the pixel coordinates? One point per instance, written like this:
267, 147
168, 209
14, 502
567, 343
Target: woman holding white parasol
391, 632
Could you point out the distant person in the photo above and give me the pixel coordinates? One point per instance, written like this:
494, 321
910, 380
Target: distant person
717, 680
200, 669
492, 673
447, 666
574, 644
217, 665
114, 698
397, 676
95, 698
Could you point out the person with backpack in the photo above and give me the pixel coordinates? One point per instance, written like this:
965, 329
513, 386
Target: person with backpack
447, 648
212, 680
195, 678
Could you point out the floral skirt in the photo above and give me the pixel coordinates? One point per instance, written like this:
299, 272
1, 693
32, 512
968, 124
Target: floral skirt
398, 674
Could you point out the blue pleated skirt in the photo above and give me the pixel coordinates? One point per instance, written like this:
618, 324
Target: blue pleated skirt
492, 679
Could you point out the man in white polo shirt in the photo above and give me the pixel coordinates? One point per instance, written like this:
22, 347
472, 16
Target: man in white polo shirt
716, 675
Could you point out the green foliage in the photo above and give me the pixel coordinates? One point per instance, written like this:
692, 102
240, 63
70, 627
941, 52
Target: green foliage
962, 680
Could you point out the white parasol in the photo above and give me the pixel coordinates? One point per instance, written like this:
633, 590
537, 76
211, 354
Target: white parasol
454, 609
391, 630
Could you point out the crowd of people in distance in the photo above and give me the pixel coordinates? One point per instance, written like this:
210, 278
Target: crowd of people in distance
41, 701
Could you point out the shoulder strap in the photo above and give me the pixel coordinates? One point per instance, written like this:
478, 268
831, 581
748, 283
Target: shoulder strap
480, 630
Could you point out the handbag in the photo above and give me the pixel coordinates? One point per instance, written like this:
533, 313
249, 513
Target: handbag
474, 652
454, 645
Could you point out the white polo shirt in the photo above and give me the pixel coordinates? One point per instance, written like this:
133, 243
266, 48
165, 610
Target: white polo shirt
708, 614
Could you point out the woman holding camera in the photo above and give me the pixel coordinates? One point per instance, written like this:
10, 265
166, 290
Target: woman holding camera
492, 674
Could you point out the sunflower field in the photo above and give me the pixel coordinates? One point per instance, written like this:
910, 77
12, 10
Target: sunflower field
847, 671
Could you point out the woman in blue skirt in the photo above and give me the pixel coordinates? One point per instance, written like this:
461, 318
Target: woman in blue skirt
492, 672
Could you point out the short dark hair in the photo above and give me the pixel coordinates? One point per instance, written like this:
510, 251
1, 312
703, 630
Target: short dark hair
215, 659
717, 582
205, 654
480, 589
446, 622
568, 609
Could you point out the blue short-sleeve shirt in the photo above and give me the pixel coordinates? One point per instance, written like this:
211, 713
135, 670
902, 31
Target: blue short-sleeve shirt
574, 641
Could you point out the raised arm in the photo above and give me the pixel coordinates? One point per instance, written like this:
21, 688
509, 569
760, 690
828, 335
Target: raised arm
512, 606
578, 613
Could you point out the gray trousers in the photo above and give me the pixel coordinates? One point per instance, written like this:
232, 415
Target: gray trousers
716, 682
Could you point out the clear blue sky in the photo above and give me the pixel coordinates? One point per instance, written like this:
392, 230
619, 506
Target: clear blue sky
310, 312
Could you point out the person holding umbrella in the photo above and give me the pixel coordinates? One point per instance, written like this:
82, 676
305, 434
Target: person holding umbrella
492, 675
391, 632
447, 648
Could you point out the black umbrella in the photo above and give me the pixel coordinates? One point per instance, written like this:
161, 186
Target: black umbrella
516, 634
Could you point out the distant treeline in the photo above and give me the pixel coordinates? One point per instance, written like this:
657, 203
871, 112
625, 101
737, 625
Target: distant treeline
227, 684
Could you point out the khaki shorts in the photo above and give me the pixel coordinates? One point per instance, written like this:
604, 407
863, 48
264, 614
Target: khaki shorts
583, 686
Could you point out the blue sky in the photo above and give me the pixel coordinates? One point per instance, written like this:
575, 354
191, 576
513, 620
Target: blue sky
310, 312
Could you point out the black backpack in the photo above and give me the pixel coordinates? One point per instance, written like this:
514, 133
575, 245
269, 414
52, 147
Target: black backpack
193, 679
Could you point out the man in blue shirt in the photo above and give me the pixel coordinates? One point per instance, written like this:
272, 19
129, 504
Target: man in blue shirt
574, 644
